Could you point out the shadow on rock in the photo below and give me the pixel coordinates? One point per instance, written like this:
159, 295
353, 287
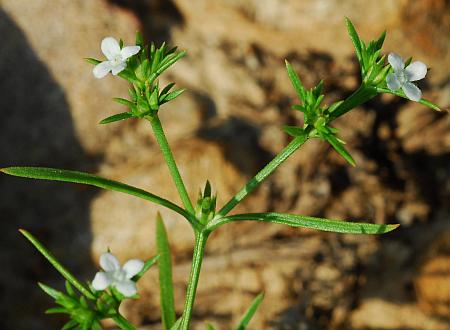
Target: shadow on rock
36, 129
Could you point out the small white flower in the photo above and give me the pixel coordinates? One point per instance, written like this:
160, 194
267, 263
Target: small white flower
117, 276
116, 57
402, 77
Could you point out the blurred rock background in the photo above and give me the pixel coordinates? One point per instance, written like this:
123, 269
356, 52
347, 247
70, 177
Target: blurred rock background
225, 128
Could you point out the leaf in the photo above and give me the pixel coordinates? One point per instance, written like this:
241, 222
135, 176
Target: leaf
296, 82
57, 310
117, 117
355, 39
172, 95
70, 290
177, 324
44, 173
60, 268
149, 263
295, 220
165, 275
55, 294
294, 131
339, 147
92, 60
210, 327
167, 89
139, 39
400, 93
69, 325
165, 64
250, 312
379, 43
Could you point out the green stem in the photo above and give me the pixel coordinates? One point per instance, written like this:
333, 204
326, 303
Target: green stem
360, 96
262, 175
199, 249
122, 322
168, 156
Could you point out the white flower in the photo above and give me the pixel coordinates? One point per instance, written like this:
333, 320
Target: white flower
117, 276
116, 57
402, 77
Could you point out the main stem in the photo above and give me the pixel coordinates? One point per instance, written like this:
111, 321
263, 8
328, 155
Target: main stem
122, 322
199, 250
168, 156
262, 175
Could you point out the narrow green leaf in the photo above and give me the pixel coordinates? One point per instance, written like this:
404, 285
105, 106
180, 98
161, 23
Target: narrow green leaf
166, 89
296, 82
44, 173
339, 147
355, 39
55, 294
165, 64
149, 263
209, 326
400, 93
295, 220
69, 325
124, 102
55, 263
379, 43
165, 275
172, 95
70, 290
294, 130
117, 117
250, 312
139, 39
92, 60
177, 324
57, 310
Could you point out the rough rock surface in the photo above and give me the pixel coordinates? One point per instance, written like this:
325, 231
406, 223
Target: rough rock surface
225, 128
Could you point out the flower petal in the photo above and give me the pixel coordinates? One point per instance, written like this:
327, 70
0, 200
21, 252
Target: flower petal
396, 62
102, 69
118, 68
412, 92
110, 47
132, 267
127, 288
129, 51
416, 70
101, 281
109, 262
392, 82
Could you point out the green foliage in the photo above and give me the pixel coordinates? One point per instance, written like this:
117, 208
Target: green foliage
250, 312
165, 275
295, 220
53, 174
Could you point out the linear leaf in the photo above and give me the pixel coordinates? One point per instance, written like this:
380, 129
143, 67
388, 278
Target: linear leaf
295, 220
149, 263
117, 117
355, 39
339, 147
401, 94
250, 312
45, 173
170, 96
296, 82
210, 327
60, 268
165, 275
177, 324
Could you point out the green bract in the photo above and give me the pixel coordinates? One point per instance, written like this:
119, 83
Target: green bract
142, 71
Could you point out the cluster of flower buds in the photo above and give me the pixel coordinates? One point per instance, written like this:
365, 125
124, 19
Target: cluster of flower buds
205, 209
